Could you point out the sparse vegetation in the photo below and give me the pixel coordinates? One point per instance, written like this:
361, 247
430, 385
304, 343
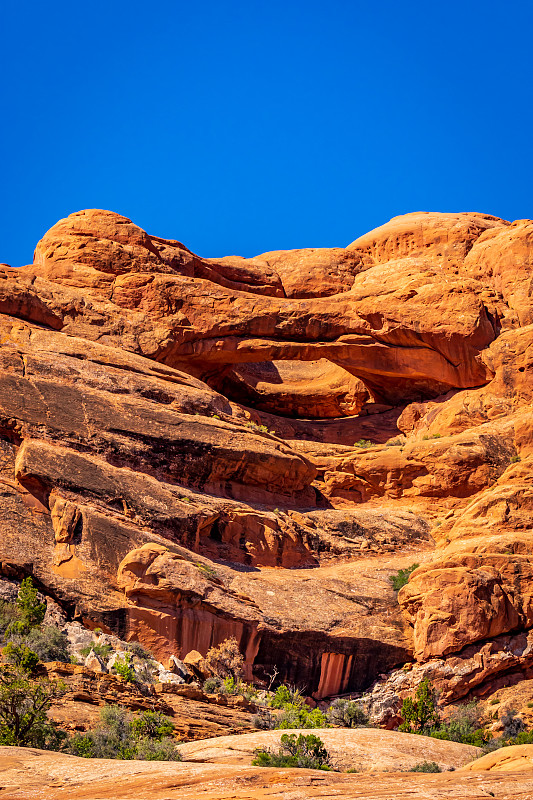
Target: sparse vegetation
306, 752
426, 766
515, 459
102, 650
464, 725
255, 427
363, 443
396, 441
402, 577
229, 686
138, 651
207, 569
431, 436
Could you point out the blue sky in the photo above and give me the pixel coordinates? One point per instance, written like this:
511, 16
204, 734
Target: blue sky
239, 127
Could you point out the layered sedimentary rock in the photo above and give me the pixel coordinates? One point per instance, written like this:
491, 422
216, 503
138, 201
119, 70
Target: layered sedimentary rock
193, 448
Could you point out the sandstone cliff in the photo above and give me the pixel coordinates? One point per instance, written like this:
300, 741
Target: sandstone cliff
193, 448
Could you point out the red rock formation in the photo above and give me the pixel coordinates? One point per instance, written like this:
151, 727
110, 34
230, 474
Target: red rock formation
184, 449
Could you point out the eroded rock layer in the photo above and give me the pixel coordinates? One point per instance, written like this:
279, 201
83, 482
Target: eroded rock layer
195, 448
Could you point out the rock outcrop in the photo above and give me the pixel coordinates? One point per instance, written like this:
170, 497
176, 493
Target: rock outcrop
197, 448
26, 772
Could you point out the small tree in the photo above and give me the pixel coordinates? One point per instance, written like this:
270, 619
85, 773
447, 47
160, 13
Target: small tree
420, 713
30, 608
23, 706
226, 660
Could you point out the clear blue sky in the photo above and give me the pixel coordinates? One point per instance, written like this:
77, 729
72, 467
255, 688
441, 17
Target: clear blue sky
239, 127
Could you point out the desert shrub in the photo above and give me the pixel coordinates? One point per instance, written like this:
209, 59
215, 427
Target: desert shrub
464, 725
152, 724
49, 643
162, 750
8, 615
513, 725
265, 720
307, 752
137, 650
124, 668
346, 714
296, 714
102, 650
301, 717
254, 426
286, 697
396, 441
230, 686
419, 713
213, 685
23, 706
432, 436
20, 655
226, 660
111, 739
121, 736
402, 577
426, 766
515, 459
524, 737
363, 443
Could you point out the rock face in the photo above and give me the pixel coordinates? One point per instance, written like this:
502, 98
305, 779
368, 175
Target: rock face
194, 448
26, 772
362, 749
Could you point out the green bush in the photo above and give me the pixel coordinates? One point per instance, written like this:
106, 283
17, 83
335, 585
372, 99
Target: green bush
363, 443
346, 714
162, 750
300, 717
402, 577
49, 643
31, 610
102, 650
306, 752
121, 736
426, 766
283, 697
296, 714
152, 725
419, 713
464, 725
23, 706
20, 656
524, 737
124, 668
